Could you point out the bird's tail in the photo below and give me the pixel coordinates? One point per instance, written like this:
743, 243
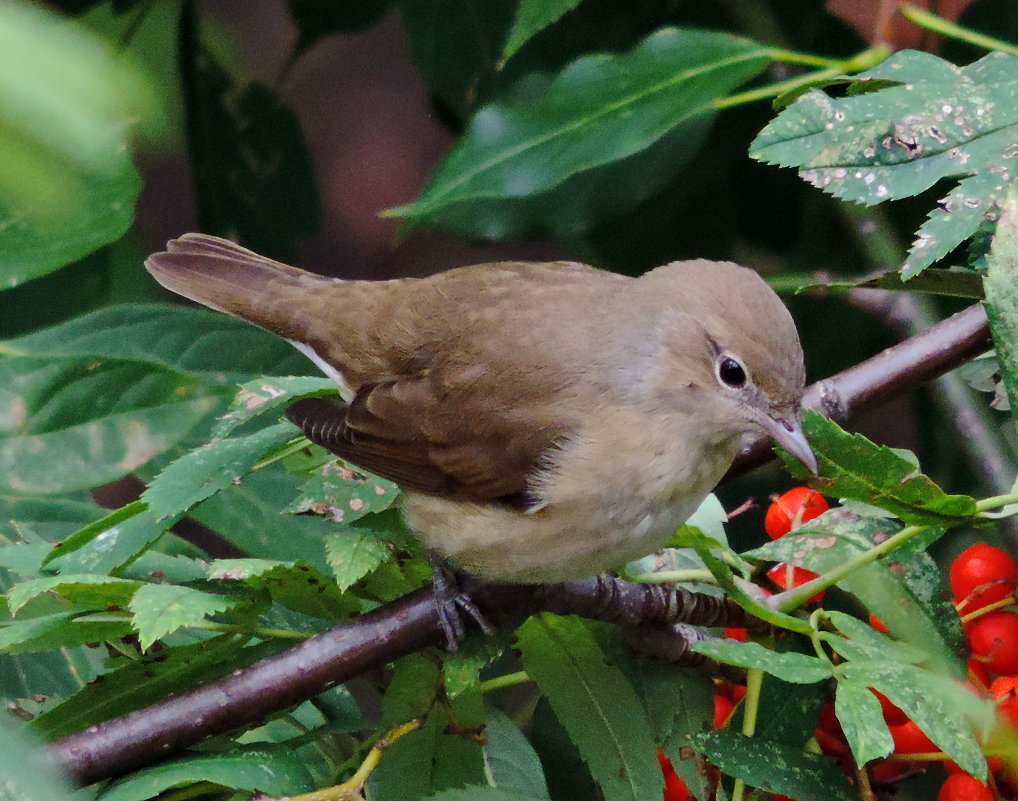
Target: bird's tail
223, 276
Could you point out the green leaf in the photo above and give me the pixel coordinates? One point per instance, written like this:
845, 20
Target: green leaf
160, 609
481, 793
269, 769
249, 516
57, 631
776, 768
49, 517
1002, 292
67, 184
934, 121
412, 690
595, 703
840, 535
353, 554
27, 775
432, 758
510, 760
790, 667
598, 112
938, 705
532, 17
88, 401
85, 590
455, 45
296, 586
205, 471
149, 679
344, 493
861, 719
853, 467
110, 543
220, 350
265, 394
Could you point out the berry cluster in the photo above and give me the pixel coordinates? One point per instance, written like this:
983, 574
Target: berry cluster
983, 580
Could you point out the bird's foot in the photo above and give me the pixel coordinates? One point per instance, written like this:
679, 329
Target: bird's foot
453, 604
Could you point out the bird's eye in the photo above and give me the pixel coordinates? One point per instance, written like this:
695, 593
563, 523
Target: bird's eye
731, 373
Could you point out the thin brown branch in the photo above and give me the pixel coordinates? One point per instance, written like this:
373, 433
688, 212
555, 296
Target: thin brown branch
412, 623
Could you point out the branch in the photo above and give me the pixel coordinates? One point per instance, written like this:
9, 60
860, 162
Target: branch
411, 623
404, 626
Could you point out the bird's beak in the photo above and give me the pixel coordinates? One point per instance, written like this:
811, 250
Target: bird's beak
787, 432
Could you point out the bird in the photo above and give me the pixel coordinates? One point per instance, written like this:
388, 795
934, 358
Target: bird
545, 421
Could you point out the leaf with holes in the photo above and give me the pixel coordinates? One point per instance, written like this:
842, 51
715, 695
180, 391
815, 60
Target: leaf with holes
934, 121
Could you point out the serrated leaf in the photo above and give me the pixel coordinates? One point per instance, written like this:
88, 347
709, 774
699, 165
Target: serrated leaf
861, 719
205, 471
938, 705
262, 395
110, 542
343, 493
295, 586
532, 17
853, 467
159, 609
275, 770
1002, 293
249, 516
595, 703
936, 121
790, 667
598, 112
510, 760
840, 535
352, 554
776, 768
67, 185
85, 590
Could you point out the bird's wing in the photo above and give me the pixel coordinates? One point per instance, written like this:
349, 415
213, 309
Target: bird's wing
399, 430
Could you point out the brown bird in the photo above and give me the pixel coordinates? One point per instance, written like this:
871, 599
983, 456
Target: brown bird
546, 421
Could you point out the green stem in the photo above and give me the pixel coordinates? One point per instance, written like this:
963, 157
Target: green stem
996, 501
925, 19
750, 710
798, 596
675, 576
292, 447
508, 680
829, 69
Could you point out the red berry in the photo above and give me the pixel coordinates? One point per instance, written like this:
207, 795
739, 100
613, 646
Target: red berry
1004, 689
885, 771
791, 509
828, 733
675, 787
722, 711
962, 787
892, 715
781, 573
879, 624
982, 575
735, 633
910, 739
993, 639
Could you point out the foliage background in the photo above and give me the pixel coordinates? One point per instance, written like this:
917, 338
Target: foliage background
377, 97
